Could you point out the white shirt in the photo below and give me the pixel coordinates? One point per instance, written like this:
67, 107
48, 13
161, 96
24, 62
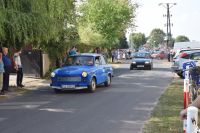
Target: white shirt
17, 60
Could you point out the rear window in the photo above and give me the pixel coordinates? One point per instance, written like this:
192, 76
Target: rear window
195, 56
184, 56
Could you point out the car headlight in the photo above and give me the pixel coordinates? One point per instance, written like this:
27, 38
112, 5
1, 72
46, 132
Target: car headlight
134, 62
84, 74
147, 62
53, 74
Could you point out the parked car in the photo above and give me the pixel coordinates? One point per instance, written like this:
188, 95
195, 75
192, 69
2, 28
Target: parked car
158, 55
184, 56
178, 52
141, 60
82, 71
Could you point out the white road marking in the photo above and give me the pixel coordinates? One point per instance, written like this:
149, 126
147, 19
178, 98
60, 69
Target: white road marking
2, 119
21, 105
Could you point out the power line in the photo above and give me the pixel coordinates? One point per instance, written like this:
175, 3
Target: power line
168, 6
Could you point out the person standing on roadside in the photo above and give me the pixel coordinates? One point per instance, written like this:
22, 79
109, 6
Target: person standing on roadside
18, 67
195, 103
113, 55
7, 68
1, 71
72, 51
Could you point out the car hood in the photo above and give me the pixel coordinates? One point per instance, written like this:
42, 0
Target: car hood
141, 59
73, 70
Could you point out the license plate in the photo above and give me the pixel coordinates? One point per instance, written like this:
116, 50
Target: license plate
140, 65
68, 86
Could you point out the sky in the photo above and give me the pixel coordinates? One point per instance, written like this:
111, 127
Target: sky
185, 17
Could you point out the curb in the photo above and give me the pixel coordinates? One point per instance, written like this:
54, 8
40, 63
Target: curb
115, 66
31, 83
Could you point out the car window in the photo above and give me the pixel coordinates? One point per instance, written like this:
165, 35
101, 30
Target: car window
139, 55
80, 60
185, 56
195, 56
142, 55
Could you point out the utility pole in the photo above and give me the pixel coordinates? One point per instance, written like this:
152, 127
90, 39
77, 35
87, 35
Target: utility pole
168, 6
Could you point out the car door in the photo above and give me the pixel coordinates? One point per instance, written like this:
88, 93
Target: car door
99, 70
106, 68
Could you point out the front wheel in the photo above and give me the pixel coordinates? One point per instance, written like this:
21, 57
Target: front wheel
108, 81
92, 86
131, 68
57, 90
180, 74
150, 67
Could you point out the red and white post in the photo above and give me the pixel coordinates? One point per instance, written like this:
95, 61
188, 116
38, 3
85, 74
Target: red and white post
186, 94
192, 120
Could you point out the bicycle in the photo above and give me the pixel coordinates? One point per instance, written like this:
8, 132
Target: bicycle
194, 80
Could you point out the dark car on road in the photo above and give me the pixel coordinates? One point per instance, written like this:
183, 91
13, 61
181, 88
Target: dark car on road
141, 60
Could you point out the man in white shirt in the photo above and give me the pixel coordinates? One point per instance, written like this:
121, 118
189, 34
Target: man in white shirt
18, 67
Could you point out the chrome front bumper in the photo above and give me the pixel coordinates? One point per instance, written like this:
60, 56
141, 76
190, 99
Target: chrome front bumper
76, 88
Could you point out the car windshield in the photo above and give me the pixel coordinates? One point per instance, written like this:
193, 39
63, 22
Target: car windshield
141, 55
80, 61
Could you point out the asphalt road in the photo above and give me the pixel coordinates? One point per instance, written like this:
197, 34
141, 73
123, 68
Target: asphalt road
121, 108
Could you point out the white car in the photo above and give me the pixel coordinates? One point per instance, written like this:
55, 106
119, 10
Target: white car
184, 56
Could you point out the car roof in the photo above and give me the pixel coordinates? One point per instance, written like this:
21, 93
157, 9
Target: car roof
193, 51
186, 50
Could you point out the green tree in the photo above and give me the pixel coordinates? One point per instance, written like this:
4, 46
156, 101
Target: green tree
105, 21
33, 21
137, 39
156, 37
182, 38
123, 44
46, 24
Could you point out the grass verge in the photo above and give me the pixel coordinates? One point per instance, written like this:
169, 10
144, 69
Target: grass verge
165, 116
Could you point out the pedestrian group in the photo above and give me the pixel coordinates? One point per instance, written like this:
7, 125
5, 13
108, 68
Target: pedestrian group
6, 65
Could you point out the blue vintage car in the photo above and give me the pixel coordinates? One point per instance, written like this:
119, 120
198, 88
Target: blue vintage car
82, 71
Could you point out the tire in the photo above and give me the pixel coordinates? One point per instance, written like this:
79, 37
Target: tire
180, 75
57, 90
92, 86
131, 68
108, 81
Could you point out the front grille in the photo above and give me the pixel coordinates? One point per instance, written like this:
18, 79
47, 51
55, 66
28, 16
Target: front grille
140, 63
69, 79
